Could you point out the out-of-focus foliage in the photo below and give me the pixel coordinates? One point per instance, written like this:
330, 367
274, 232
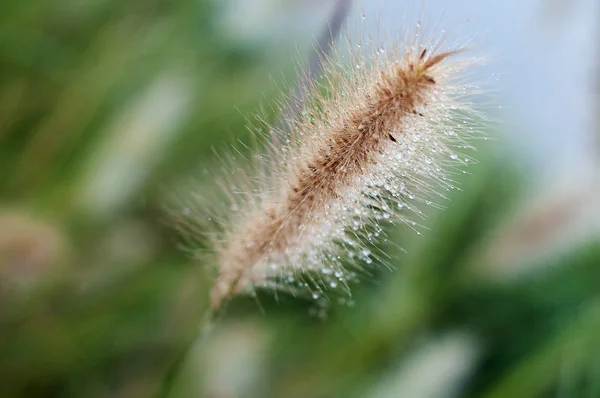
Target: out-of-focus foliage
106, 105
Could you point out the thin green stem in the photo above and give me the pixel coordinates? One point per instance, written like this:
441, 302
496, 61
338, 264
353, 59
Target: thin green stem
182, 356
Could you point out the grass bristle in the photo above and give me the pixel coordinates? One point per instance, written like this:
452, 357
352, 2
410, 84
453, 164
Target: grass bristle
376, 136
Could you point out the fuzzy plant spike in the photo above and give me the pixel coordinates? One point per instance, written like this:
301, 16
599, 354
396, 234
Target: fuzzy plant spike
379, 134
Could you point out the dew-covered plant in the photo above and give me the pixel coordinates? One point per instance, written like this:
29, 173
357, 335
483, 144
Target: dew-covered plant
377, 135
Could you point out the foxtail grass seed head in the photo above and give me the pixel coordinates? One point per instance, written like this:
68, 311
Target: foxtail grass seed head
376, 136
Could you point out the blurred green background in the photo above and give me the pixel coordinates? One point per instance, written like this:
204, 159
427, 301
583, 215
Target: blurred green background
107, 107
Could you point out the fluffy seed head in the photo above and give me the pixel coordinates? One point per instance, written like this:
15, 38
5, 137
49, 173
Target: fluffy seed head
375, 137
